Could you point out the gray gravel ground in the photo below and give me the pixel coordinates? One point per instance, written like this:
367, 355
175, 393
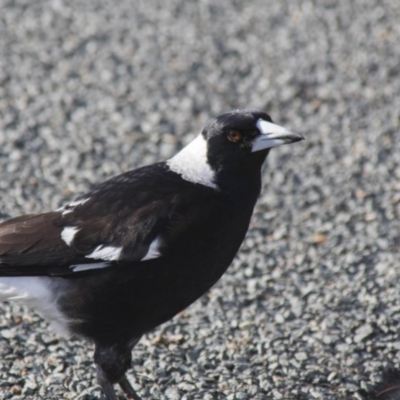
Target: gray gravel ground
310, 309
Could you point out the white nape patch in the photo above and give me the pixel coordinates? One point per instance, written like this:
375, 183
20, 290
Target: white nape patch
192, 164
36, 292
154, 250
71, 206
106, 253
88, 267
68, 234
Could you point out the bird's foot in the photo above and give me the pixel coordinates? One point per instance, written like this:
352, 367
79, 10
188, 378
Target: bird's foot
128, 389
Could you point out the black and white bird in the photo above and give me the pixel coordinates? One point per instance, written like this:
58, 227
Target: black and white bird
142, 246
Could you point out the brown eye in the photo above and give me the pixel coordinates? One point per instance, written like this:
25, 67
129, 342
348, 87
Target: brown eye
234, 136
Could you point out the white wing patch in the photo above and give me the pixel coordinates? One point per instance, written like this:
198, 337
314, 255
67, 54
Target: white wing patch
68, 234
71, 206
192, 164
106, 253
154, 250
87, 267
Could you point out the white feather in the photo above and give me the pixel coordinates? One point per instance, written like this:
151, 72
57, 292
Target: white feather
105, 253
71, 206
68, 234
87, 267
192, 164
154, 250
36, 292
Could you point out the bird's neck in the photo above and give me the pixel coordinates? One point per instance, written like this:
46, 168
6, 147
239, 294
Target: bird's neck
242, 189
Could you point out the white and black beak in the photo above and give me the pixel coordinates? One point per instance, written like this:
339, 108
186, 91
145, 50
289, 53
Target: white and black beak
272, 135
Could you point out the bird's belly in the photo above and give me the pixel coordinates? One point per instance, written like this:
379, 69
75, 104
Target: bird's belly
132, 299
130, 303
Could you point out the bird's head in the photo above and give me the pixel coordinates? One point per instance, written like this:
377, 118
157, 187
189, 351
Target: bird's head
231, 145
243, 138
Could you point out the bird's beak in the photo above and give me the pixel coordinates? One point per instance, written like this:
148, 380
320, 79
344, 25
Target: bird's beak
273, 135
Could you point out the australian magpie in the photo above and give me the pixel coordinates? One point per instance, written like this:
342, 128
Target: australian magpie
142, 246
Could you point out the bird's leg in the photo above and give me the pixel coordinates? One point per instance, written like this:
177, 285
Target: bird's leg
106, 386
112, 362
128, 389
124, 383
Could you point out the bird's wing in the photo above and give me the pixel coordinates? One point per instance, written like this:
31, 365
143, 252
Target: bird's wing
128, 219
32, 240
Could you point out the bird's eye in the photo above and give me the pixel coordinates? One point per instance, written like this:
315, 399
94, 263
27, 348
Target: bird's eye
234, 136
